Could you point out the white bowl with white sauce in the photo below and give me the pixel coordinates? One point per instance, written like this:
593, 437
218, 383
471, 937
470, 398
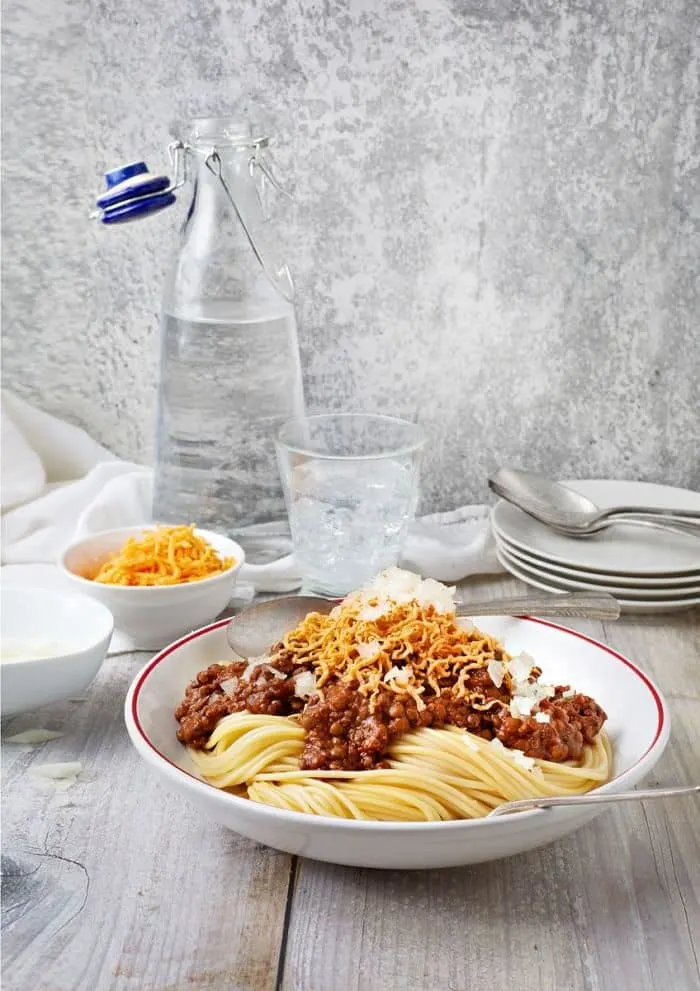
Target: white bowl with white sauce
52, 645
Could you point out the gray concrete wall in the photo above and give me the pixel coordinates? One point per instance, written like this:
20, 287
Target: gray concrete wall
497, 222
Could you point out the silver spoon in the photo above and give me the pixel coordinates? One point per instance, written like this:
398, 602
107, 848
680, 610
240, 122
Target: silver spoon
254, 630
592, 798
560, 507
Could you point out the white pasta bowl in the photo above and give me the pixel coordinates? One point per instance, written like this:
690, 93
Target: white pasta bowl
638, 726
152, 615
72, 632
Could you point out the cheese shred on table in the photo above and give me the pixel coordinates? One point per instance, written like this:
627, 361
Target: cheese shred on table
168, 555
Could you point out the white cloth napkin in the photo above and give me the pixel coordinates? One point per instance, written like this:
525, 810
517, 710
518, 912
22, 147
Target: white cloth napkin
57, 485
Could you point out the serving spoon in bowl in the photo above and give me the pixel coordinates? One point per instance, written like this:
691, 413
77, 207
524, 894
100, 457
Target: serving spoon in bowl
592, 798
576, 515
254, 630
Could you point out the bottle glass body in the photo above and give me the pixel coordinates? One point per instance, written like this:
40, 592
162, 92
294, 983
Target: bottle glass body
230, 372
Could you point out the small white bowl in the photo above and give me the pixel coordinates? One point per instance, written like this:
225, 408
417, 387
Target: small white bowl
152, 615
75, 629
638, 727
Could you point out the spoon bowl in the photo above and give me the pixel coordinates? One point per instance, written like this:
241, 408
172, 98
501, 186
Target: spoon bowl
254, 630
545, 492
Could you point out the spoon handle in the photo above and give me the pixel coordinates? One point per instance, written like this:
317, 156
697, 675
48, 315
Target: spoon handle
684, 527
691, 516
581, 533
592, 798
593, 605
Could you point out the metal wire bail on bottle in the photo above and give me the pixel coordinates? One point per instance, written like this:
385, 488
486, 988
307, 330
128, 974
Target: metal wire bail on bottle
281, 277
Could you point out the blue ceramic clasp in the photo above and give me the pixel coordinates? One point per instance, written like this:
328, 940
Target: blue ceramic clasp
134, 192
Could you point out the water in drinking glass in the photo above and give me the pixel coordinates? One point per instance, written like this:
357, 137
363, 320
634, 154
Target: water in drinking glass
349, 520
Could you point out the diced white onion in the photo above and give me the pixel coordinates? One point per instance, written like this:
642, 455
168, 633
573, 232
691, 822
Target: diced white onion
368, 650
542, 717
521, 707
34, 736
304, 684
535, 690
369, 613
520, 667
253, 662
64, 769
395, 586
496, 672
229, 686
257, 662
400, 675
54, 786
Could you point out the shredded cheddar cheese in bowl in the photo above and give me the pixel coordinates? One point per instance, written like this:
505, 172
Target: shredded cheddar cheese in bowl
166, 555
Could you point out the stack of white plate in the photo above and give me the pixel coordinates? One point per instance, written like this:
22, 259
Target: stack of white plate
646, 570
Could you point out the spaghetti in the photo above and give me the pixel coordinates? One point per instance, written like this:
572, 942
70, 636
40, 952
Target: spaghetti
432, 774
389, 709
166, 555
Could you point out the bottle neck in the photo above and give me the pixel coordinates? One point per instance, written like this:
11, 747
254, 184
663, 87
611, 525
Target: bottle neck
223, 189
228, 251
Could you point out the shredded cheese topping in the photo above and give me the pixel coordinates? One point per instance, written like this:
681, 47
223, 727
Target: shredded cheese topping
167, 555
404, 646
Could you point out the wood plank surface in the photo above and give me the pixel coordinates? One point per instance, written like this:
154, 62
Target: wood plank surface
125, 889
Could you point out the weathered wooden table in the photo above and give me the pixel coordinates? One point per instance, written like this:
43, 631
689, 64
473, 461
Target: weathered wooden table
129, 890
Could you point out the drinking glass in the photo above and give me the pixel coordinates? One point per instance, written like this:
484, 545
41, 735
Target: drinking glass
350, 483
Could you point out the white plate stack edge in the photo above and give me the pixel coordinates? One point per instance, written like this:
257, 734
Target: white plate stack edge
647, 570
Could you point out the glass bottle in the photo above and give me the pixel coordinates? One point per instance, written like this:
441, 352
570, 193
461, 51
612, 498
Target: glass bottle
230, 372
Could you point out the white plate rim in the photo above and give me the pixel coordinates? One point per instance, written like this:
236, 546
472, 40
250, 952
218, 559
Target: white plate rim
688, 496
636, 605
660, 582
643, 593
150, 752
